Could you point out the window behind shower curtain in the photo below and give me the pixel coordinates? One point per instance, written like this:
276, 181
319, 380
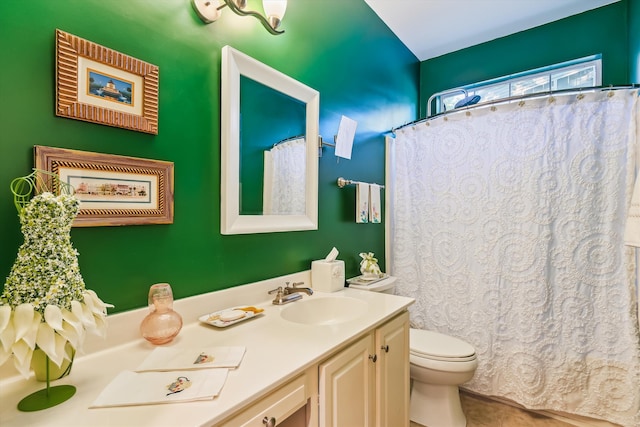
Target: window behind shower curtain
579, 73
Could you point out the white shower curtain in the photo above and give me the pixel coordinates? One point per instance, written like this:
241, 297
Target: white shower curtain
285, 178
507, 226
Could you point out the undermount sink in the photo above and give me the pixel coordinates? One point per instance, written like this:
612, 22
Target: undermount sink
324, 311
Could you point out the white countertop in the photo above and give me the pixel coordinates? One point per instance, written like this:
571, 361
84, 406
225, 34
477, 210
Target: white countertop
276, 350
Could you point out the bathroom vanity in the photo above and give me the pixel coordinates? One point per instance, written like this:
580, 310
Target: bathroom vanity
348, 365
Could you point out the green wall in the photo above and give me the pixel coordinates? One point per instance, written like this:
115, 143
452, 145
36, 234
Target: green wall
604, 30
338, 47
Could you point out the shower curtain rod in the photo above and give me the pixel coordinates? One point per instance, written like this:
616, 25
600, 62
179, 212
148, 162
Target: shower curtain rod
516, 98
291, 138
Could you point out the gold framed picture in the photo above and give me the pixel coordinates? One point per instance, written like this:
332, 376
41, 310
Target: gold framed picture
113, 190
100, 85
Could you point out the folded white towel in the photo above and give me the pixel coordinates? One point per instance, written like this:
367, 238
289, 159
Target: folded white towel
179, 359
146, 388
362, 203
632, 230
374, 203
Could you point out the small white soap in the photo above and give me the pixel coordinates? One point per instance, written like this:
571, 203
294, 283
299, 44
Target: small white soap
230, 315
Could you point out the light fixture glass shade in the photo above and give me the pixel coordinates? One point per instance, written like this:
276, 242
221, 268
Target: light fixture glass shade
274, 8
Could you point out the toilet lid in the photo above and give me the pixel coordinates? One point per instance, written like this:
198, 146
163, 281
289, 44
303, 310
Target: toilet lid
431, 344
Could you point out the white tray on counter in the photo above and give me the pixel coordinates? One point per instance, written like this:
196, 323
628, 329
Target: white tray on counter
213, 319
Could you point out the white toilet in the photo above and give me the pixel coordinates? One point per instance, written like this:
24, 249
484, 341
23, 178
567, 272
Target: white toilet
438, 365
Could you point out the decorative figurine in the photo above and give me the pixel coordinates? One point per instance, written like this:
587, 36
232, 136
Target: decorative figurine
369, 266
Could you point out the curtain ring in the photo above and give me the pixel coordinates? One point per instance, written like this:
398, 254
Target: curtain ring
494, 108
551, 100
580, 96
521, 104
468, 113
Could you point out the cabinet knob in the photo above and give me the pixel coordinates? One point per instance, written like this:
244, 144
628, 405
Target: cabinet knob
385, 348
373, 357
269, 422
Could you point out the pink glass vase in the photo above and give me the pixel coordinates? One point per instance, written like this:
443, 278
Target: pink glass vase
162, 324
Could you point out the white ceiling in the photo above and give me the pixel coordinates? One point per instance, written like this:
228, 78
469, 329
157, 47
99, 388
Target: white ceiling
431, 28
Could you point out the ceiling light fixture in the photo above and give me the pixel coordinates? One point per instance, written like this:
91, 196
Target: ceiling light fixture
210, 10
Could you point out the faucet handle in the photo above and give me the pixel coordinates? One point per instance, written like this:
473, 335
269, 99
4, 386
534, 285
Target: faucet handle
297, 284
278, 290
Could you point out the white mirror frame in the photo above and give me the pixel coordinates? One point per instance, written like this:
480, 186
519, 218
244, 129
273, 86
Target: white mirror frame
234, 65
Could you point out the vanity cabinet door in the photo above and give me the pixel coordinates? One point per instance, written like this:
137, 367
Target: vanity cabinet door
346, 385
392, 373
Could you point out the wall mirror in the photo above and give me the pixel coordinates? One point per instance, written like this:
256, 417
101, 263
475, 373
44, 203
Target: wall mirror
265, 113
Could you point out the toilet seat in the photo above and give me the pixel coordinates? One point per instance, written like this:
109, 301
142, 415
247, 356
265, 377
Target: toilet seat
435, 346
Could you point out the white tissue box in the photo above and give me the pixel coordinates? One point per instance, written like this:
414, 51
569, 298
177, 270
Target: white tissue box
327, 276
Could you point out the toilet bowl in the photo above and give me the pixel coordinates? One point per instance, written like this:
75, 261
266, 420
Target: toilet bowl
438, 365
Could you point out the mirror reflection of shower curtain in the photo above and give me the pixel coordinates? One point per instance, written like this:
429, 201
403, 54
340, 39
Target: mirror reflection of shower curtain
284, 178
507, 226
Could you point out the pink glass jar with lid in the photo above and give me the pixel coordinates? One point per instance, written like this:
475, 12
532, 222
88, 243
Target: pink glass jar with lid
162, 324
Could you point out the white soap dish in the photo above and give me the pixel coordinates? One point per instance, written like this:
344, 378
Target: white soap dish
230, 316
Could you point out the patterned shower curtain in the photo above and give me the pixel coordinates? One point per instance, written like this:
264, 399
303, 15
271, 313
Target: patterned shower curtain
507, 227
284, 181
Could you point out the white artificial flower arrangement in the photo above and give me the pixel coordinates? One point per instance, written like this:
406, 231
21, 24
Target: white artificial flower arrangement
45, 303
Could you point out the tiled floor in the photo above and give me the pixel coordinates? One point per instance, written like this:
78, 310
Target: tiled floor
481, 412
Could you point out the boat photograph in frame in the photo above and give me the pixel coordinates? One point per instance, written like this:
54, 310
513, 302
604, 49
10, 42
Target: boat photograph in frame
112, 190
100, 85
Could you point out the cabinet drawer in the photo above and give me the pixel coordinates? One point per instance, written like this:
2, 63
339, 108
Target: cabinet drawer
279, 405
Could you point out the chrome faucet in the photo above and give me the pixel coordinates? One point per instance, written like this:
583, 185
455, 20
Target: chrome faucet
294, 288
289, 293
